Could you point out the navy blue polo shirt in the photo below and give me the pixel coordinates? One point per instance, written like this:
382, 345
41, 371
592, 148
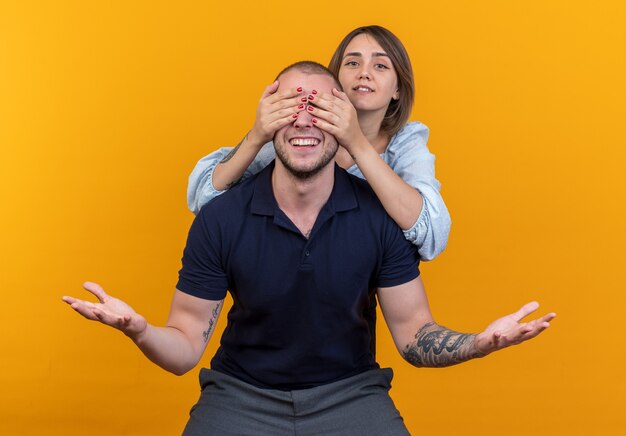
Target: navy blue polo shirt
304, 310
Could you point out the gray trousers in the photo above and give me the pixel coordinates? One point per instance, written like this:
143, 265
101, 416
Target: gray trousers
358, 405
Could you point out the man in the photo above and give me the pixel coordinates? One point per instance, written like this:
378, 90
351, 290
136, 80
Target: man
305, 249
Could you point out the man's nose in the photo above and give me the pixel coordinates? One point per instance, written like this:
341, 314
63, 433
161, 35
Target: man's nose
305, 119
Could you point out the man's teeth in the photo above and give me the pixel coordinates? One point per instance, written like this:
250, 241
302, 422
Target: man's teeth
304, 142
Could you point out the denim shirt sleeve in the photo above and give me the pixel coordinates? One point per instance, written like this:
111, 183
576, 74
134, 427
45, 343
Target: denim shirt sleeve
200, 189
409, 157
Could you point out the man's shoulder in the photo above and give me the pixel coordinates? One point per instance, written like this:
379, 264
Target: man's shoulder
383, 234
362, 190
233, 200
370, 209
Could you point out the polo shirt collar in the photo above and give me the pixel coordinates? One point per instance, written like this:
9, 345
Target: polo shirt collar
342, 197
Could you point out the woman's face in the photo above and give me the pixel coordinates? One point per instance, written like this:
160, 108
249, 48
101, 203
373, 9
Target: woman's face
367, 75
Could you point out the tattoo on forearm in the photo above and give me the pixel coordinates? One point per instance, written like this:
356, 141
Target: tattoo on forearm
212, 321
233, 183
230, 155
437, 346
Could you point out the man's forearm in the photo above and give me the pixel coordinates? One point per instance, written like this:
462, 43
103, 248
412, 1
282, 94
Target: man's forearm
168, 348
437, 346
179, 345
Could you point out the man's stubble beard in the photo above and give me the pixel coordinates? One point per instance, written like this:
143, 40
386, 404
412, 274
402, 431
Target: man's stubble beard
305, 174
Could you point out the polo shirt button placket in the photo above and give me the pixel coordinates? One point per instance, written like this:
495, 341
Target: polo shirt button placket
305, 260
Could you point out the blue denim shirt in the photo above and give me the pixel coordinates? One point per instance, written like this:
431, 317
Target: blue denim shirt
407, 155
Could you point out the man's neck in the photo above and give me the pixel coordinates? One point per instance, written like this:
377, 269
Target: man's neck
302, 199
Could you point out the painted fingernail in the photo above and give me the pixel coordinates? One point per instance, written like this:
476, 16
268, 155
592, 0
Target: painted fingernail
301, 106
314, 92
294, 116
314, 120
309, 108
311, 97
303, 99
299, 89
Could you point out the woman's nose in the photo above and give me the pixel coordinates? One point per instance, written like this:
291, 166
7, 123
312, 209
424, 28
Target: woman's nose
364, 73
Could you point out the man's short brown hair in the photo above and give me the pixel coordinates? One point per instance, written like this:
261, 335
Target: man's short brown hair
311, 67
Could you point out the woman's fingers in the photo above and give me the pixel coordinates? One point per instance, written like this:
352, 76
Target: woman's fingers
328, 102
270, 89
285, 113
325, 115
275, 110
293, 104
340, 94
281, 121
287, 97
326, 126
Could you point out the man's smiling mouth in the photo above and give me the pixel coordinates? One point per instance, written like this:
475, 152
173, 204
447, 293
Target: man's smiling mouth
304, 142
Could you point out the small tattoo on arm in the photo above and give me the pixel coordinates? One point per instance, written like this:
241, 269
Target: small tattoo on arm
212, 321
230, 155
233, 183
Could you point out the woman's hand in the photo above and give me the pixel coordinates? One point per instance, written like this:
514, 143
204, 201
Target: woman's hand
335, 114
276, 110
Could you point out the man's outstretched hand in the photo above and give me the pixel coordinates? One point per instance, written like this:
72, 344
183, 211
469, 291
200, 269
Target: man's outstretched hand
510, 330
110, 311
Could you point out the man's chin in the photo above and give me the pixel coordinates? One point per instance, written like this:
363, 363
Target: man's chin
303, 174
306, 172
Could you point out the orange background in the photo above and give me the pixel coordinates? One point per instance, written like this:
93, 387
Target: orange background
106, 106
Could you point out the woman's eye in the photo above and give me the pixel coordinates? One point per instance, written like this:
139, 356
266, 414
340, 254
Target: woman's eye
351, 64
382, 67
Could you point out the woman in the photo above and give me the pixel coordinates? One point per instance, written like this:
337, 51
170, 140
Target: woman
369, 120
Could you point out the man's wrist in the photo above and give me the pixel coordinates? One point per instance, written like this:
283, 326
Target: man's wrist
139, 338
478, 353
